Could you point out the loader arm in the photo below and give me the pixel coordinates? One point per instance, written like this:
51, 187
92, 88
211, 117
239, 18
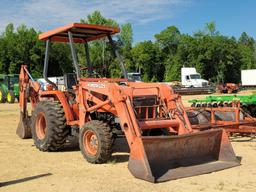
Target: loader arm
174, 153
166, 157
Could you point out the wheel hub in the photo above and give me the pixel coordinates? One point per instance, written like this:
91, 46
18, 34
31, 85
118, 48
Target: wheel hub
41, 126
9, 97
90, 142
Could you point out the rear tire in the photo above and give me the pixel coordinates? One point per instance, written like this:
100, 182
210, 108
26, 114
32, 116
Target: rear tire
2, 96
49, 129
10, 97
96, 141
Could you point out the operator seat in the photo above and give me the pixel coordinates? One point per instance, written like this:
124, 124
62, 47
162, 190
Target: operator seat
70, 79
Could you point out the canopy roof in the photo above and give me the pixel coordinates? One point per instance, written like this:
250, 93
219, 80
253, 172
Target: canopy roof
81, 33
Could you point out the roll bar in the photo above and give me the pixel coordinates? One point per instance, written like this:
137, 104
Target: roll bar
75, 60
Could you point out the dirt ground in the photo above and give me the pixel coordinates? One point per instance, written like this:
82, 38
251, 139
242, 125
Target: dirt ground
24, 168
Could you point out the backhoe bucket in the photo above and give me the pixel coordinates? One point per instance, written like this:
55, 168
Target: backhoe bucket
24, 127
163, 158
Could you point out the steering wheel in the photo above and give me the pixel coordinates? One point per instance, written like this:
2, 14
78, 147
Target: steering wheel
94, 73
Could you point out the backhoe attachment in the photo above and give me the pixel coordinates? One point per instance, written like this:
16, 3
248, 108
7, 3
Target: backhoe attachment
24, 127
28, 91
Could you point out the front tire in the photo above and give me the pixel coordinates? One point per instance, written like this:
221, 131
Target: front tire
10, 97
49, 129
96, 141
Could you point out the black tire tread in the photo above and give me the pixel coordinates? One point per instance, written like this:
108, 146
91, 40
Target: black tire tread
57, 131
106, 138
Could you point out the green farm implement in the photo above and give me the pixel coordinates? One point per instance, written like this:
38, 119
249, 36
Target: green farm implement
248, 102
9, 88
235, 113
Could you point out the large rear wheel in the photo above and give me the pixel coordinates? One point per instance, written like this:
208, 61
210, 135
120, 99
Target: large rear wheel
95, 141
49, 129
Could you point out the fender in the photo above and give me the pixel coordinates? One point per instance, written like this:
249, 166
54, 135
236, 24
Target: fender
60, 96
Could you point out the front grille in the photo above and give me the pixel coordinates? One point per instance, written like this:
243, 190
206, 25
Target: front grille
204, 84
147, 107
144, 101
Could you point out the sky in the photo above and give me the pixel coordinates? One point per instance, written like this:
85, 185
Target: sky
148, 17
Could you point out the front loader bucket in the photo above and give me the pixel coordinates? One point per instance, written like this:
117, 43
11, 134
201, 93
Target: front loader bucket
24, 127
163, 158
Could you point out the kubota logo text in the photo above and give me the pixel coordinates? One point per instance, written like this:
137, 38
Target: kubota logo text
96, 85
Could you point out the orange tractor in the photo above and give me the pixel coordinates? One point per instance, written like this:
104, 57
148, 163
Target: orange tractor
163, 145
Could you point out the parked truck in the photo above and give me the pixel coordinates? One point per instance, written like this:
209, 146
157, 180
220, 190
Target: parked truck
191, 83
134, 76
191, 78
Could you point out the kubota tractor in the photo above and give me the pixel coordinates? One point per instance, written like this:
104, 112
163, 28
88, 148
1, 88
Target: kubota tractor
163, 146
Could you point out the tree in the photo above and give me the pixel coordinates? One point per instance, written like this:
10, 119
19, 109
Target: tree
246, 46
98, 19
246, 40
126, 36
210, 29
101, 52
168, 39
7, 48
146, 56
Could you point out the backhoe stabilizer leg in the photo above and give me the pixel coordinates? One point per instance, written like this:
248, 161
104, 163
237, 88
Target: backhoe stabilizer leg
24, 127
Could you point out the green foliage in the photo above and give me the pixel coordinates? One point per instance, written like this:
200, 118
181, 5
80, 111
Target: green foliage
98, 19
217, 57
246, 47
101, 55
146, 56
16, 48
126, 36
168, 39
210, 29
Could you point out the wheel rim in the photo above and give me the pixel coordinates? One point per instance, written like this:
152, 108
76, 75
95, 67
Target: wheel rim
41, 126
90, 142
9, 97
